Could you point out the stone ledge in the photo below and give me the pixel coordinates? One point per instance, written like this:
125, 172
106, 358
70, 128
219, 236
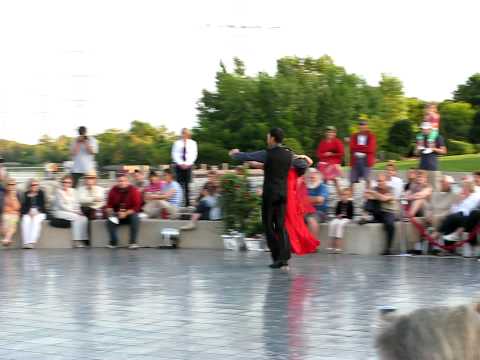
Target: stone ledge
368, 239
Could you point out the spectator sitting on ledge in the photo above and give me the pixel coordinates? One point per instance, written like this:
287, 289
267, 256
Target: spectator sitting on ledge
123, 204
317, 193
169, 199
208, 207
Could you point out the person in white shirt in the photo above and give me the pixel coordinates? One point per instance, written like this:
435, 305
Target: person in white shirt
66, 207
91, 198
184, 155
454, 224
394, 181
83, 151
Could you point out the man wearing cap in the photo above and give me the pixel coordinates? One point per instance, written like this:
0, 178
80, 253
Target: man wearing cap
429, 148
363, 147
330, 153
91, 198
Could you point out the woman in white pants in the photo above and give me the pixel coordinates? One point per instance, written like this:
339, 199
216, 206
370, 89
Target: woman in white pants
33, 214
343, 213
67, 207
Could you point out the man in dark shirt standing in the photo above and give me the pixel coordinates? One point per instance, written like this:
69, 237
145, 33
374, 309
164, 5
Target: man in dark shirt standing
429, 149
277, 161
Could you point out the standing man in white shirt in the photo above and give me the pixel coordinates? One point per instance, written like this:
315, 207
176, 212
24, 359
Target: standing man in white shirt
83, 151
184, 155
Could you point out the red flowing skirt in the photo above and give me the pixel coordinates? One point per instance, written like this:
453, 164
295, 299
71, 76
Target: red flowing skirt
298, 205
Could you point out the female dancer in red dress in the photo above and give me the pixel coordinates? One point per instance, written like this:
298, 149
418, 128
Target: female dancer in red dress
302, 241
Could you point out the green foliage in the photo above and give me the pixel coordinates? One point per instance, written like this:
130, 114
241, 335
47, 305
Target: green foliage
303, 97
456, 147
294, 145
400, 137
142, 144
415, 110
474, 134
470, 91
213, 154
240, 207
456, 119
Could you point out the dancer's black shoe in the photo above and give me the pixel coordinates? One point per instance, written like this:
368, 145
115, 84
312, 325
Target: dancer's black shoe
277, 265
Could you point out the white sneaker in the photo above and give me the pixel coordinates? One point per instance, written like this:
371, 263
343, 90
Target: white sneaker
190, 226
451, 237
29, 246
133, 246
79, 244
109, 246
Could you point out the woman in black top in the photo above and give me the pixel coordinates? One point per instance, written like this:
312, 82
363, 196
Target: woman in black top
33, 213
343, 213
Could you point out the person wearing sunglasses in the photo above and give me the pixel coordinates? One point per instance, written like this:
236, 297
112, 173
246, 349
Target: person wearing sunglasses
67, 208
33, 213
10, 213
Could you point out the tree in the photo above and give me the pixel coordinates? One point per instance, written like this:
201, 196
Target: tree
470, 91
400, 137
456, 119
474, 134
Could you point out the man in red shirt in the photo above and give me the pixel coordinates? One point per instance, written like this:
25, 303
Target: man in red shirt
363, 147
330, 153
123, 205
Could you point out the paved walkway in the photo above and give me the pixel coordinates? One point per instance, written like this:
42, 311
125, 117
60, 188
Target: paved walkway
167, 304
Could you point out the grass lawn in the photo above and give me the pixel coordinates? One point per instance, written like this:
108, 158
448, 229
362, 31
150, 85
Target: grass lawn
469, 162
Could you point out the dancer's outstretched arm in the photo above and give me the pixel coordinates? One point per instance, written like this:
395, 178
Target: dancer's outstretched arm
258, 156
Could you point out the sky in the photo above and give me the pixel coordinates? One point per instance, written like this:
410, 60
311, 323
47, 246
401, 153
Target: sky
105, 63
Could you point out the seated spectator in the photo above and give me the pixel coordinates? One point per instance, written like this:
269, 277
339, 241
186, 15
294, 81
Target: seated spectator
10, 212
343, 214
168, 200
139, 179
123, 205
92, 199
381, 204
438, 207
208, 206
418, 194
411, 176
459, 219
33, 213
66, 208
476, 179
318, 193
155, 187
394, 181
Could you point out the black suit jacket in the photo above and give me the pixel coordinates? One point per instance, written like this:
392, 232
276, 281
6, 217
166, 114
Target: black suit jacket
277, 164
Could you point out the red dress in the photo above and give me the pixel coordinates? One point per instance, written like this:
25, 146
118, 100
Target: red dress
298, 205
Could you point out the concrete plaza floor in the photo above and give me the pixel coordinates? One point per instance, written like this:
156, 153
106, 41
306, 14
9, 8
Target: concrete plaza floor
193, 304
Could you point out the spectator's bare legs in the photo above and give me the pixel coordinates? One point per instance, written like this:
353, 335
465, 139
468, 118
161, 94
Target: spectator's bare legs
8, 234
416, 206
313, 226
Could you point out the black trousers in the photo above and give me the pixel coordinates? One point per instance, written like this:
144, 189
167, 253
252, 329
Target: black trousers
452, 222
184, 177
384, 217
273, 217
472, 221
203, 209
132, 220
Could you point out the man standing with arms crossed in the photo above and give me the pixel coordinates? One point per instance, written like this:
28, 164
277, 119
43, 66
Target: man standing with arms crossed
184, 155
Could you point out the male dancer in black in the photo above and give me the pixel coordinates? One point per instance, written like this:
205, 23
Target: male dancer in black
277, 160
